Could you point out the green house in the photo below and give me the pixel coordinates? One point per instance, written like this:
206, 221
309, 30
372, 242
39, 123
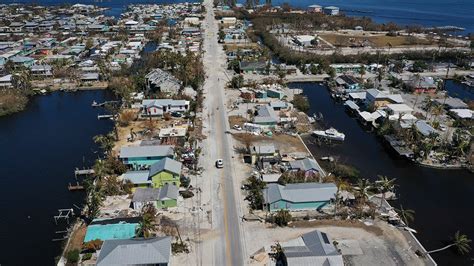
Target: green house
165, 171
164, 197
299, 196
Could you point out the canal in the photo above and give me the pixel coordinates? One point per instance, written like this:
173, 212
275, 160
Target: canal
442, 199
41, 146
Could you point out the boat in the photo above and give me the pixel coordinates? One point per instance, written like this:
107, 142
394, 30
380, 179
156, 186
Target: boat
331, 134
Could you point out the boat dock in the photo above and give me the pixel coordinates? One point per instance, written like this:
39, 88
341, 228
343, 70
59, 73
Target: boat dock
79, 172
96, 104
75, 187
99, 117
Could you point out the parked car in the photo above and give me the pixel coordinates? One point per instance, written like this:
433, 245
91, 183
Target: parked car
219, 163
237, 127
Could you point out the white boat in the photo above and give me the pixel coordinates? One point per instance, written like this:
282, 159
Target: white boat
331, 134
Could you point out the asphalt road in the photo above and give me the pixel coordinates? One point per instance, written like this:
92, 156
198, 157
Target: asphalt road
228, 250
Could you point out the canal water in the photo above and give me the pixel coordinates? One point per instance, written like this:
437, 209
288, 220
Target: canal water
442, 199
40, 147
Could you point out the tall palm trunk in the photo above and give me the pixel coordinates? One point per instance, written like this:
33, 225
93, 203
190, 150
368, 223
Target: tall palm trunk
441, 249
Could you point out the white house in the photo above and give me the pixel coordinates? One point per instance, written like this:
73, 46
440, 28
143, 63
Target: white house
158, 107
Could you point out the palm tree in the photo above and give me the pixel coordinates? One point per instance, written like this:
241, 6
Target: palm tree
362, 72
341, 185
384, 185
106, 142
363, 188
406, 215
145, 226
460, 241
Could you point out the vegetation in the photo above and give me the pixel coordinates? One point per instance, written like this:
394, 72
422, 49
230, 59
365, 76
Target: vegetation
384, 185
254, 194
12, 101
281, 218
237, 81
289, 177
460, 241
72, 256
406, 215
278, 255
301, 103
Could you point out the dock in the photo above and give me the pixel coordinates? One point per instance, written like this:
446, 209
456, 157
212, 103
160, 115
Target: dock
77, 186
99, 117
96, 104
79, 172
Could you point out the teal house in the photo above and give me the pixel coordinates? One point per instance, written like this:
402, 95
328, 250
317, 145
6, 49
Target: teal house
142, 157
298, 197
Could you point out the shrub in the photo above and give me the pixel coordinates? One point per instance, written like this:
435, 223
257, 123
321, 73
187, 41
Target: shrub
87, 256
301, 103
72, 256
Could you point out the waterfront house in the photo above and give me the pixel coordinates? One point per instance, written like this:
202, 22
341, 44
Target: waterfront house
307, 165
266, 116
377, 98
280, 105
299, 196
41, 70
116, 228
313, 248
159, 80
424, 128
348, 82
159, 107
331, 10
165, 171
164, 197
139, 179
138, 157
421, 84
6, 81
137, 251
452, 103
398, 109
315, 9
275, 93
461, 113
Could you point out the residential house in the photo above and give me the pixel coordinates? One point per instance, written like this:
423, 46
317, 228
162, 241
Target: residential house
313, 248
275, 93
424, 128
348, 82
159, 107
137, 251
270, 178
299, 196
90, 77
16, 27
377, 98
460, 113
452, 103
257, 67
331, 10
307, 165
139, 179
315, 8
280, 105
342, 68
107, 229
421, 84
41, 70
266, 116
228, 21
6, 81
164, 197
165, 171
22, 61
138, 157
264, 153
162, 81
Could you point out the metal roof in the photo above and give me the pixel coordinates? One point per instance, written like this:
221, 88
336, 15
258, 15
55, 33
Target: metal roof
313, 248
305, 165
165, 164
146, 151
300, 192
135, 251
137, 177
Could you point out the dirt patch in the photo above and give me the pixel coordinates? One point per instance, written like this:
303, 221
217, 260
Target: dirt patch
342, 223
237, 120
284, 143
77, 238
346, 40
